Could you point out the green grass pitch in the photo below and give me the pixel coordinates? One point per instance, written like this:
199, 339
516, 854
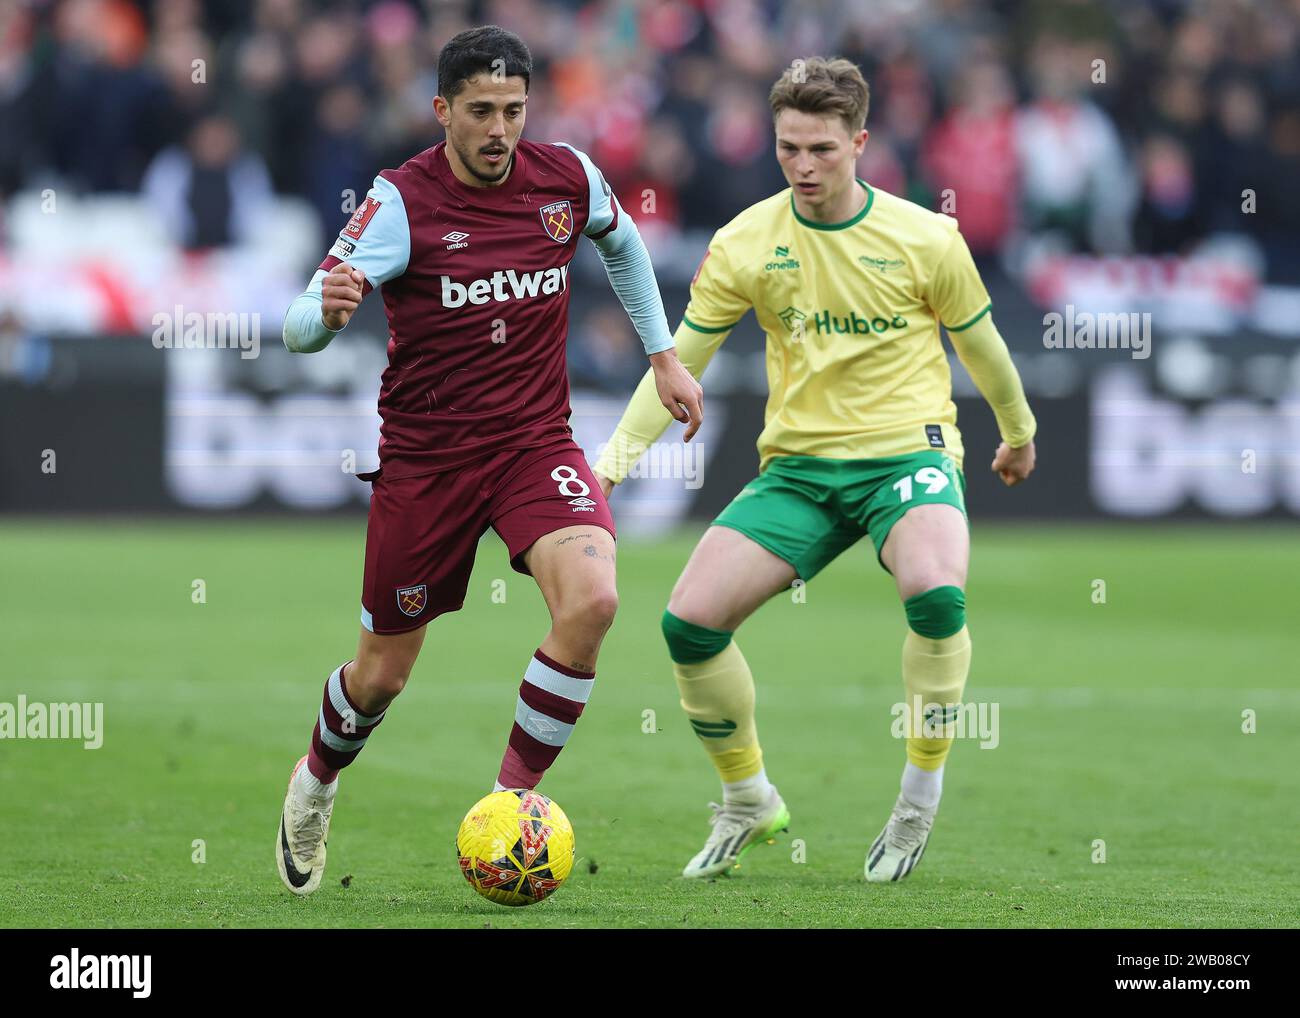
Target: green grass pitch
1119, 721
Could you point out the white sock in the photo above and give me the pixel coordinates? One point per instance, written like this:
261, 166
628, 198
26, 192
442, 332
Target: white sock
311, 785
750, 792
921, 786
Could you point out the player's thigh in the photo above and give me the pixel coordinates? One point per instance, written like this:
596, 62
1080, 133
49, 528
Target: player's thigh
549, 510
782, 526
574, 569
914, 508
726, 579
928, 547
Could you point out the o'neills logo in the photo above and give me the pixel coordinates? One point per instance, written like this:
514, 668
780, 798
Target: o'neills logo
502, 286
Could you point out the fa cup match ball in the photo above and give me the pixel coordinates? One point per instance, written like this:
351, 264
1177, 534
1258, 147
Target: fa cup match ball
515, 847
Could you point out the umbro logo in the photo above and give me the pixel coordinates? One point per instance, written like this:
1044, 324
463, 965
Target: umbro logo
582, 504
541, 725
456, 238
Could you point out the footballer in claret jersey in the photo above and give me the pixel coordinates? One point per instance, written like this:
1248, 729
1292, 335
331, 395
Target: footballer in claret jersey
470, 243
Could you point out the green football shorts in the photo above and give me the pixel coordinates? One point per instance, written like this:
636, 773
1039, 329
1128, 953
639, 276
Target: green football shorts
807, 509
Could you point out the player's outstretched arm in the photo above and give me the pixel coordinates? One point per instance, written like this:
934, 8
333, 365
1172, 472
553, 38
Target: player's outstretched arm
632, 276
718, 302
675, 391
982, 350
647, 415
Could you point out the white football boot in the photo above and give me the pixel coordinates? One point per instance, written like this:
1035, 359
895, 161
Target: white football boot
735, 832
899, 847
300, 842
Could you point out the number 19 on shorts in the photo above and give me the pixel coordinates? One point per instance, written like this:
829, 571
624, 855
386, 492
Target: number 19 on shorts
934, 479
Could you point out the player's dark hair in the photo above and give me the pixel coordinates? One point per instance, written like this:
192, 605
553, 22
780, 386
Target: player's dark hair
488, 49
824, 88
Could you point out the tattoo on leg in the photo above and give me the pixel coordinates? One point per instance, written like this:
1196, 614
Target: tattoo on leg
582, 666
591, 551
573, 537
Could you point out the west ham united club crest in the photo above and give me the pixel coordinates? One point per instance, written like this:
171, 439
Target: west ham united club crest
411, 600
557, 219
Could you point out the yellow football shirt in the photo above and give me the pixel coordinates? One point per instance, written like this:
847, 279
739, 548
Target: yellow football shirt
856, 368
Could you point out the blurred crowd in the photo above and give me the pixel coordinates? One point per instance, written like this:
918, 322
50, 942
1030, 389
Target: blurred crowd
1107, 127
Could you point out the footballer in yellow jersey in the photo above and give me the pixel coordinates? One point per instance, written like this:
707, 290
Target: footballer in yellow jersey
852, 286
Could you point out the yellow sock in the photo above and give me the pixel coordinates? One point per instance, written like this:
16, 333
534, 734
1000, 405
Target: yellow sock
718, 697
934, 676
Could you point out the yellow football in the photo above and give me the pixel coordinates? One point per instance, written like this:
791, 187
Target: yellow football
515, 847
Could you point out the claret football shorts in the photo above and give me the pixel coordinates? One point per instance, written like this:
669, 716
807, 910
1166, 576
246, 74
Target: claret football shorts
423, 531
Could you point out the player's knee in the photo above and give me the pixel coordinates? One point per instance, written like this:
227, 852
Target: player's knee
937, 613
695, 608
601, 607
375, 685
689, 642
592, 611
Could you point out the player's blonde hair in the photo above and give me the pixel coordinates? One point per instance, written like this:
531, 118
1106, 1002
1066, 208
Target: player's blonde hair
823, 87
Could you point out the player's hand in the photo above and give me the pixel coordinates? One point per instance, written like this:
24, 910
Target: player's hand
1014, 465
606, 486
678, 391
341, 293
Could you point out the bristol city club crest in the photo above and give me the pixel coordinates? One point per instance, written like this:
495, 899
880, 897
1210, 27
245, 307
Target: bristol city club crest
411, 600
557, 220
